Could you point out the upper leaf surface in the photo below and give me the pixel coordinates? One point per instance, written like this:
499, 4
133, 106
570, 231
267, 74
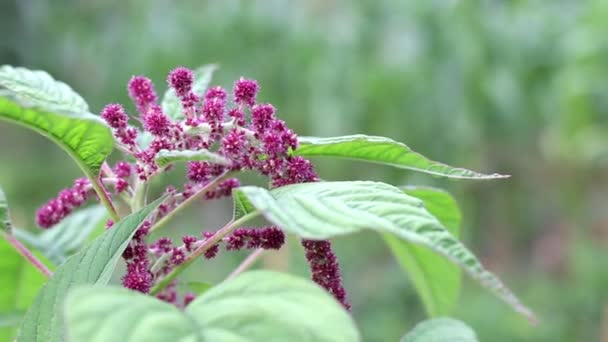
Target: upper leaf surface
384, 151
91, 265
326, 209
37, 101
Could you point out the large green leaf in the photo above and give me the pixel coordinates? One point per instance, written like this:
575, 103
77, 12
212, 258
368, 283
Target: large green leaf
100, 314
440, 330
20, 282
256, 306
166, 157
171, 104
384, 151
67, 236
326, 209
436, 279
93, 264
37, 101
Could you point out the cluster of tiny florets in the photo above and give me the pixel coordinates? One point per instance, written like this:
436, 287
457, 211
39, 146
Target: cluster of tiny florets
66, 201
245, 133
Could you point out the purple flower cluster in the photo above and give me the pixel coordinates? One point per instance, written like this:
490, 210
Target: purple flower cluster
246, 133
325, 269
67, 200
251, 238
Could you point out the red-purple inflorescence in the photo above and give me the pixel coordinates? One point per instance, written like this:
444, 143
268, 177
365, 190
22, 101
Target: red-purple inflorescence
67, 200
242, 131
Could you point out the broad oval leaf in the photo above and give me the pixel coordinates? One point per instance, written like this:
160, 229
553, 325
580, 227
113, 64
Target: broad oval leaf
256, 306
171, 104
271, 306
381, 150
440, 330
35, 100
436, 279
326, 209
166, 157
93, 264
100, 314
67, 236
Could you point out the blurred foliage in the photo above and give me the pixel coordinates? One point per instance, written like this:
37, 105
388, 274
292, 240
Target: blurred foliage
517, 87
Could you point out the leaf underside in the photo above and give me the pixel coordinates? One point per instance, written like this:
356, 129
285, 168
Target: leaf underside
327, 209
440, 330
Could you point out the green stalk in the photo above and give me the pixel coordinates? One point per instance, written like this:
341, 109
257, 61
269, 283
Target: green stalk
227, 229
163, 221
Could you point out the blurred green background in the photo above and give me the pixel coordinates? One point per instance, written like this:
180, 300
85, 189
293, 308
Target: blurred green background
516, 87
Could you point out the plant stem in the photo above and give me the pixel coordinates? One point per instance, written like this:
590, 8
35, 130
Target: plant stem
189, 201
227, 229
248, 262
21, 249
105, 200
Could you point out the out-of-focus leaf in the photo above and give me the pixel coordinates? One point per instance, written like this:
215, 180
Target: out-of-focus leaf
68, 236
441, 330
254, 307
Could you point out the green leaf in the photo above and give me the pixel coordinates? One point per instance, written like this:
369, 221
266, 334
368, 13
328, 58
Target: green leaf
242, 206
35, 100
20, 283
327, 209
255, 306
68, 236
166, 157
440, 330
93, 264
5, 221
436, 280
171, 104
100, 314
384, 151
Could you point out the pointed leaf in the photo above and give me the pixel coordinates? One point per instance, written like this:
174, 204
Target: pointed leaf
171, 104
326, 209
35, 100
242, 206
384, 151
254, 307
93, 264
440, 330
68, 236
436, 279
166, 157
